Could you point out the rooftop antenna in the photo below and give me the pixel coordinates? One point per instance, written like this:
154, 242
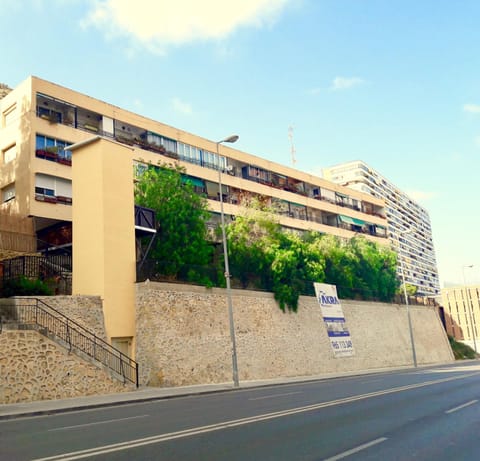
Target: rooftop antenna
292, 146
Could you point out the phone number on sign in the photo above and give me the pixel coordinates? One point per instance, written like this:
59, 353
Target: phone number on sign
342, 344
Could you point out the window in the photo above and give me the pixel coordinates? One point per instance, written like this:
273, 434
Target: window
189, 153
158, 140
8, 193
50, 114
53, 189
52, 149
139, 169
9, 154
9, 115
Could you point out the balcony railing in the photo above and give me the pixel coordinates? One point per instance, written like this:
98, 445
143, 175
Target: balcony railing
60, 157
52, 323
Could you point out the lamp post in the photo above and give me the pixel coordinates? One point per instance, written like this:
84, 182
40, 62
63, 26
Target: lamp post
410, 329
470, 307
230, 139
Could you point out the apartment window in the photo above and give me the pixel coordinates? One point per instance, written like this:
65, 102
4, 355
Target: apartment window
189, 153
9, 154
158, 140
8, 193
49, 114
52, 149
139, 169
9, 115
53, 189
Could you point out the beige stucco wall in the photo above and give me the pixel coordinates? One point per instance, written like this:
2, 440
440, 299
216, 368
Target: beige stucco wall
104, 231
183, 336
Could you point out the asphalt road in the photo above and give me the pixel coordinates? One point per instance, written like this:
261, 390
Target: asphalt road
424, 414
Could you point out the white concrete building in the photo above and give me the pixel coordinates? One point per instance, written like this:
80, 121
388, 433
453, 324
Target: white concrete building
408, 223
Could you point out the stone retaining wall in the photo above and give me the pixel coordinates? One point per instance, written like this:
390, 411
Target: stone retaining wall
32, 367
85, 310
183, 336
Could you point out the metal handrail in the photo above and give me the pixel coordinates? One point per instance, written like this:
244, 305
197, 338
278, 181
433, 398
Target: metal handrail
51, 321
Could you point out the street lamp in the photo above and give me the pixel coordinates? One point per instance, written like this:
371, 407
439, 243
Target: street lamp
412, 340
230, 139
470, 307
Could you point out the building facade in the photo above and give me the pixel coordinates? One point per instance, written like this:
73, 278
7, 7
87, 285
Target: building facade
462, 313
39, 119
409, 226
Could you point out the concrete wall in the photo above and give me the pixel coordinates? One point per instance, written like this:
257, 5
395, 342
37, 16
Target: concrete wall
183, 336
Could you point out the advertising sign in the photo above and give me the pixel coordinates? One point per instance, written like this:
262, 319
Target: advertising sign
334, 320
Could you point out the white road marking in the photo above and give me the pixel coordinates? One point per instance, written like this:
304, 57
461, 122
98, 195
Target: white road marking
235, 423
98, 422
357, 449
272, 396
461, 406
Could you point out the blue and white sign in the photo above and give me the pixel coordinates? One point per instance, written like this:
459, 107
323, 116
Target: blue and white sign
334, 320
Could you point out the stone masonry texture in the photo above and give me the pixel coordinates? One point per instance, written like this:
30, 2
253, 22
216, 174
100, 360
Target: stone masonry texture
183, 336
33, 367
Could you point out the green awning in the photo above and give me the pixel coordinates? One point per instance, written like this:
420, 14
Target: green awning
349, 220
194, 181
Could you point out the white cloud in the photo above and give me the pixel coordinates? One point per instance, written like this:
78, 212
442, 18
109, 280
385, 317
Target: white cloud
181, 107
159, 23
472, 108
421, 196
345, 83
477, 141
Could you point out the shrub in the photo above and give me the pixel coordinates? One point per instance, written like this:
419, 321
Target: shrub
23, 286
461, 351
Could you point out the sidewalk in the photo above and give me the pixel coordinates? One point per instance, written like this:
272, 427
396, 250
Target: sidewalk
46, 407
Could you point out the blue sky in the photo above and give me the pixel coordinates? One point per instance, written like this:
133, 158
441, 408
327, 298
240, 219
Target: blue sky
395, 83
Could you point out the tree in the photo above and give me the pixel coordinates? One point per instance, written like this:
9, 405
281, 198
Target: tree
265, 255
374, 268
411, 289
249, 236
182, 215
338, 262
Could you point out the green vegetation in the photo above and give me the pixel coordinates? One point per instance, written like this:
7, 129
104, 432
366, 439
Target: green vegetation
182, 214
461, 351
411, 289
262, 254
23, 286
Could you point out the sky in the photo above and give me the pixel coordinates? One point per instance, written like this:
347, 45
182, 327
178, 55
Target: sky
395, 83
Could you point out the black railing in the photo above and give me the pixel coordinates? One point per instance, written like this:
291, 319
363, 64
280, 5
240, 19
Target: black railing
41, 267
144, 217
77, 338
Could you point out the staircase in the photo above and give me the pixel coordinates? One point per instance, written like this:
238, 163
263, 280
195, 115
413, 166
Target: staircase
33, 313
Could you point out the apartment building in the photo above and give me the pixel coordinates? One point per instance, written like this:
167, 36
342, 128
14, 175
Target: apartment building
462, 313
409, 226
39, 119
